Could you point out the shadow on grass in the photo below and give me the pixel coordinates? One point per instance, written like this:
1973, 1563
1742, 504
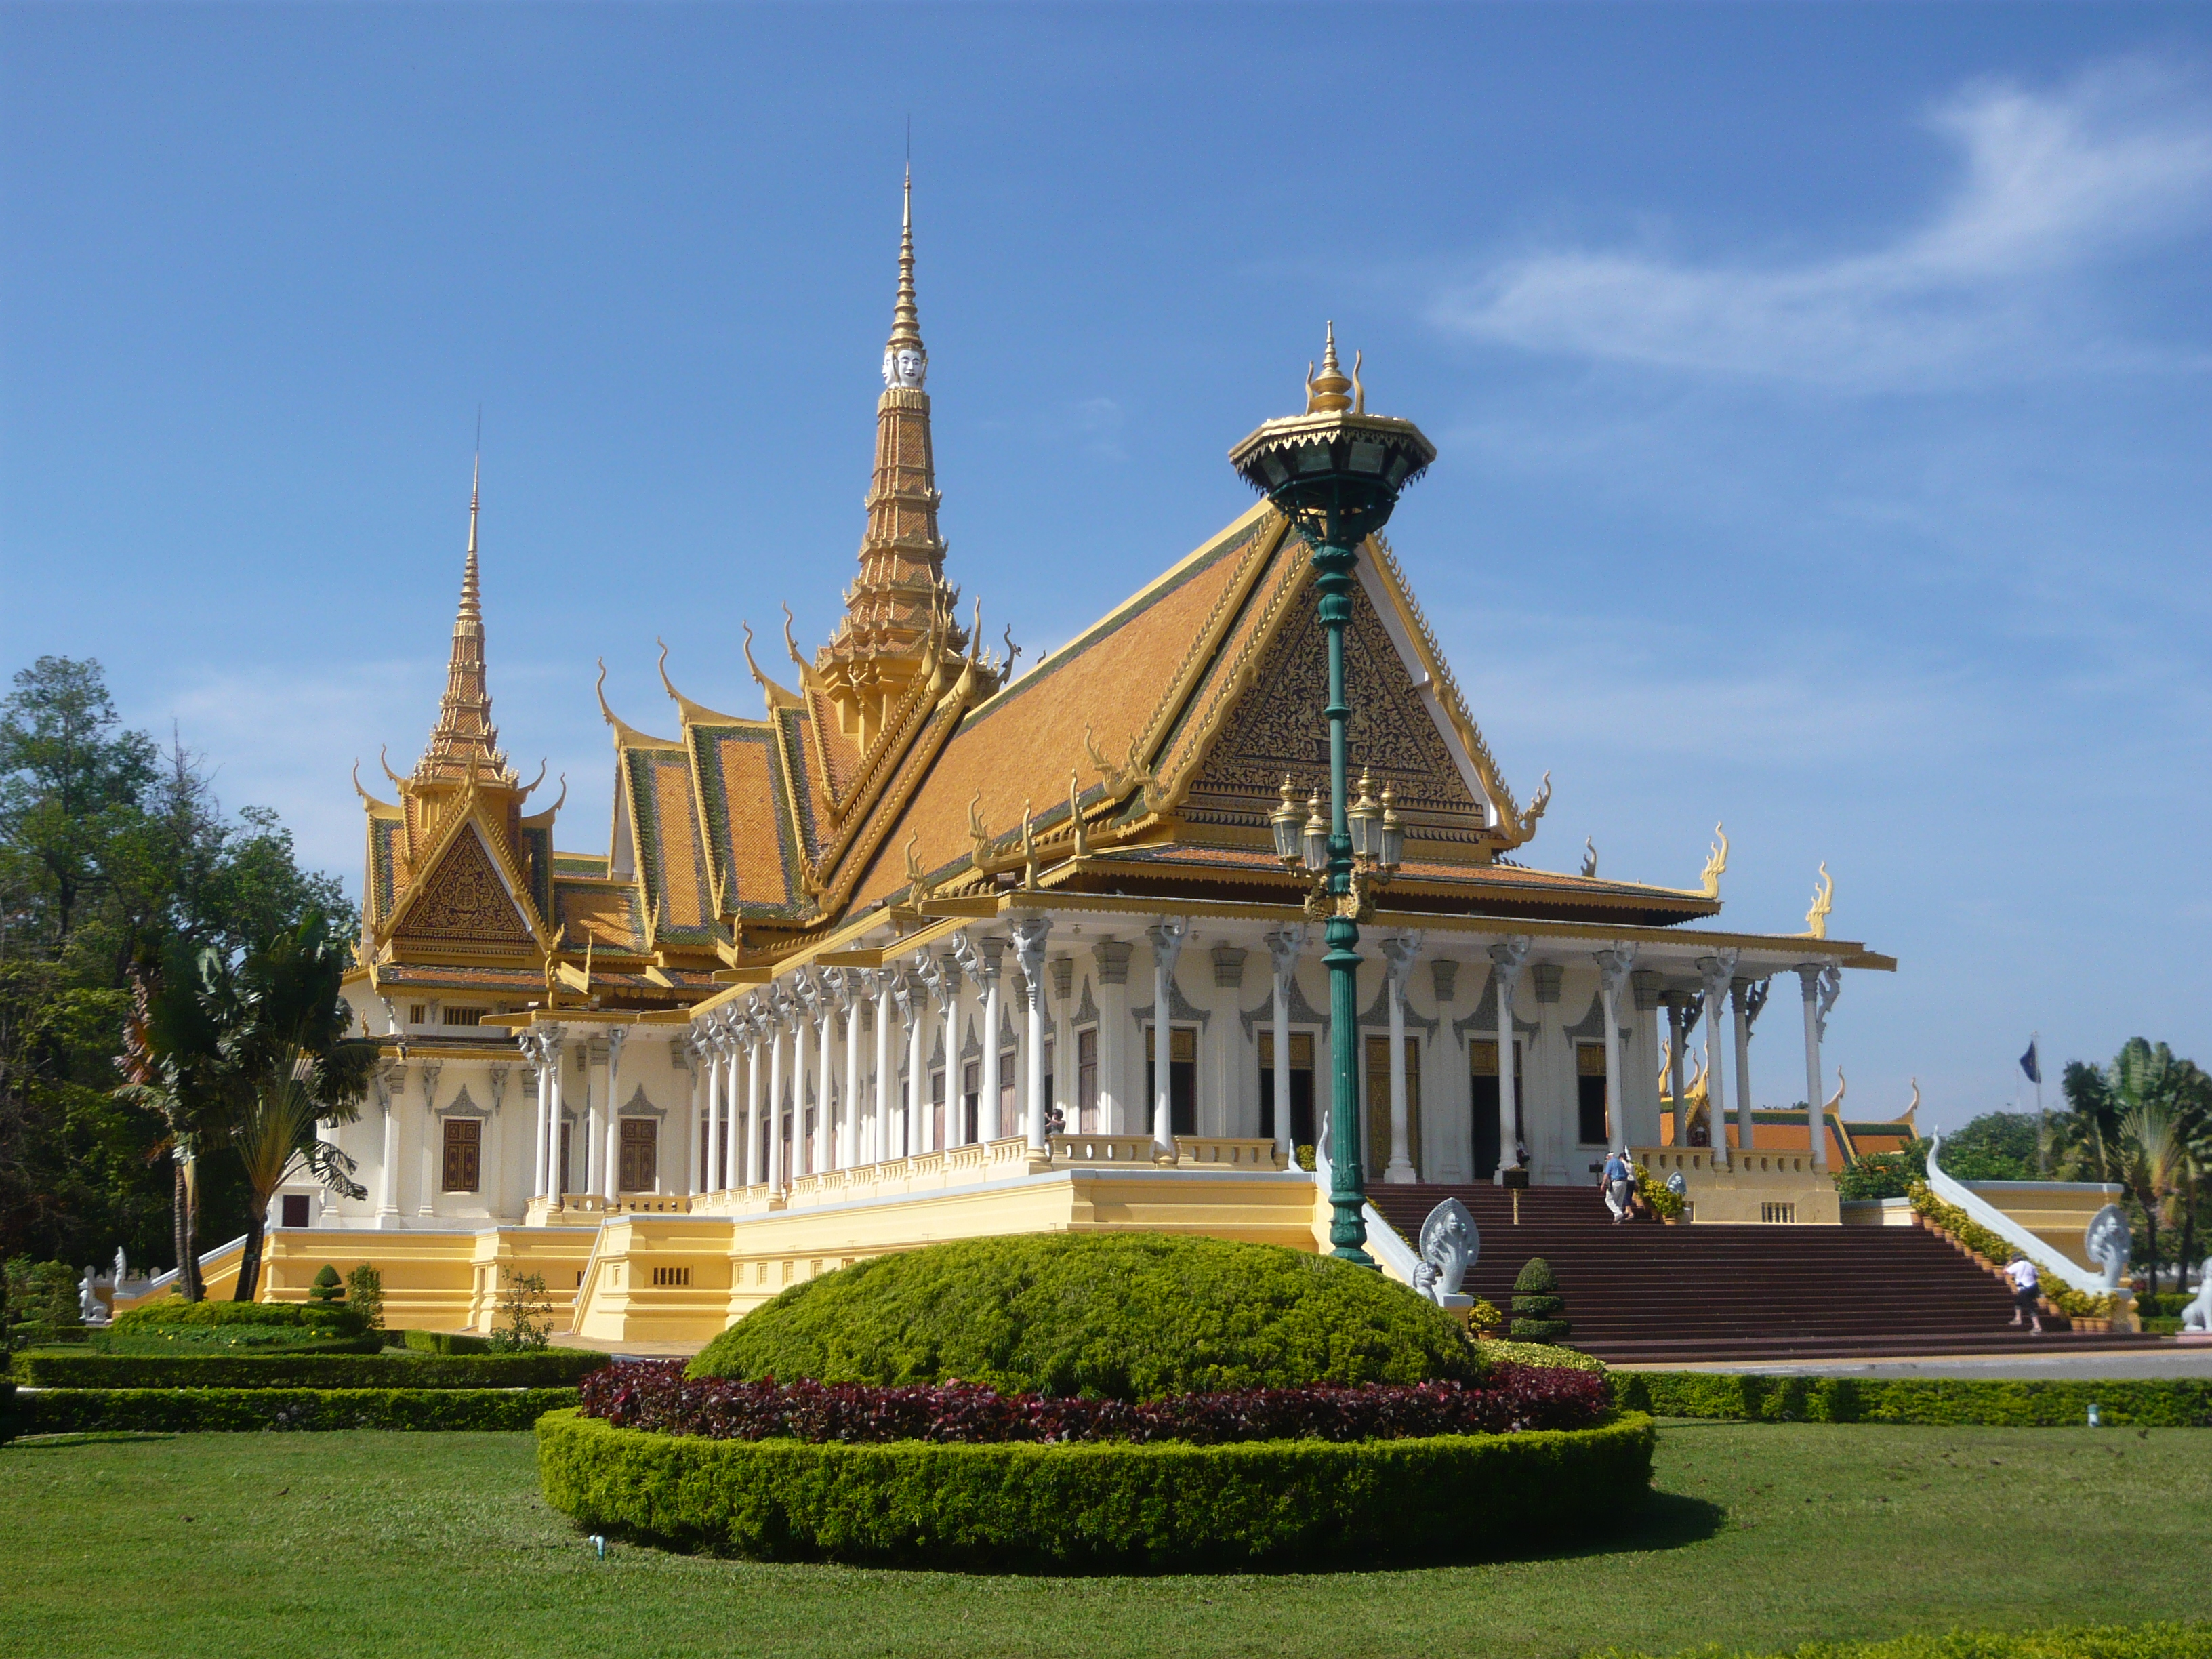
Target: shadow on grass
1663, 1521
85, 1437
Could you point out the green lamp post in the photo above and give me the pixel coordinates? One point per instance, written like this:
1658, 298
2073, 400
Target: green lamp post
1336, 473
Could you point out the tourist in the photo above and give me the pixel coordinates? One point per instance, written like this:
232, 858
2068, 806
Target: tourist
2025, 1291
1619, 1181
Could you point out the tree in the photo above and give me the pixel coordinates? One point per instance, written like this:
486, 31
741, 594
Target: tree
2145, 1120
113, 849
288, 1066
1995, 1146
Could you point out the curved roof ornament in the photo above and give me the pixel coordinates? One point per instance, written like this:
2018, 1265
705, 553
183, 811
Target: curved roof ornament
367, 800
533, 783
383, 759
693, 713
776, 695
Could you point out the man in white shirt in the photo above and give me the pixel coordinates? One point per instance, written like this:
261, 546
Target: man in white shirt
2025, 1289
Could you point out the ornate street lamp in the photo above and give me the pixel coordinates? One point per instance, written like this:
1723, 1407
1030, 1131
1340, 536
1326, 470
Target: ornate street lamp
1336, 473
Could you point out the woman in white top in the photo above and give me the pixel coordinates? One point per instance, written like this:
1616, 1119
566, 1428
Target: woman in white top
2025, 1289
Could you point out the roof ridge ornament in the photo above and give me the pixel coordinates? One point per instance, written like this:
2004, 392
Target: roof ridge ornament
1716, 864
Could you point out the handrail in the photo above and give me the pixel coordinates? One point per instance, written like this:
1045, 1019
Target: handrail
1979, 1209
161, 1282
1391, 1252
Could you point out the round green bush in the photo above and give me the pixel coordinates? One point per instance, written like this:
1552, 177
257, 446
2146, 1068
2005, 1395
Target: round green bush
1101, 1506
1494, 1351
1535, 1278
1125, 1315
1539, 1330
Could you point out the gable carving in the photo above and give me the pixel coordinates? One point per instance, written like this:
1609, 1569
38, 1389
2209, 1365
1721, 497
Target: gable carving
1277, 727
463, 902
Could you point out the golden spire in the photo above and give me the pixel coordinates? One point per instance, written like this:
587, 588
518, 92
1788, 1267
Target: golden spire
906, 316
1325, 392
465, 742
899, 611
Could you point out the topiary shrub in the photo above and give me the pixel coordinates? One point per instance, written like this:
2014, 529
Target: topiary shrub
1099, 1506
365, 1294
330, 1319
328, 1286
1536, 1303
1128, 1315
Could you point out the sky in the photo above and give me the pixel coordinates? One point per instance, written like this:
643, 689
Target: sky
1821, 391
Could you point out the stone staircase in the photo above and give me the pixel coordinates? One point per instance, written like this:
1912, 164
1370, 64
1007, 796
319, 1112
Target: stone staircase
1644, 1293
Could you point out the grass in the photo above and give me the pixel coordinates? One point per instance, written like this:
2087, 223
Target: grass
1761, 1537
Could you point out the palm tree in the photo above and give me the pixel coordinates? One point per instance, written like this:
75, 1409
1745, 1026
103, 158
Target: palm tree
284, 1045
249, 1054
2153, 1154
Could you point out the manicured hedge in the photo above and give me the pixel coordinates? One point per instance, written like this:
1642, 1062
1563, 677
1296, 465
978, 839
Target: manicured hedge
2191, 1640
443, 1342
655, 1394
1131, 1315
1097, 1507
175, 1310
553, 1368
227, 1341
1496, 1350
2178, 1402
70, 1411
27, 1335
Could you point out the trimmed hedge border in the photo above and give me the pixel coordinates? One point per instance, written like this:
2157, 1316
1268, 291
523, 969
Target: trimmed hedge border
443, 1342
1097, 1506
170, 1310
2161, 1641
2174, 1403
553, 1368
197, 1411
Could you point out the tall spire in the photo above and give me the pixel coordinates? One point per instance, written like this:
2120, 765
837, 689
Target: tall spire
901, 601
465, 743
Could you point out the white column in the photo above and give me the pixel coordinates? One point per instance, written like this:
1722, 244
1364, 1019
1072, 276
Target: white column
1029, 956
825, 1071
1738, 995
879, 1133
988, 1126
699, 1061
1821, 984
752, 1166
852, 998
1716, 970
387, 1179
1167, 938
1284, 945
780, 1023
715, 1047
954, 1127
1399, 953
426, 1196
916, 1010
610, 1163
557, 1064
1507, 960
533, 1051
595, 1090
1612, 970
1677, 1039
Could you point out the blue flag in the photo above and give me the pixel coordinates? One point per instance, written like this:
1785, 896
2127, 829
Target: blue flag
2028, 1064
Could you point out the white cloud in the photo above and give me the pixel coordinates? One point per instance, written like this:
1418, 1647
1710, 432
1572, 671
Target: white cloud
2050, 186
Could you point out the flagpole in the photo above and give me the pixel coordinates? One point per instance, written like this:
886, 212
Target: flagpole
2043, 1118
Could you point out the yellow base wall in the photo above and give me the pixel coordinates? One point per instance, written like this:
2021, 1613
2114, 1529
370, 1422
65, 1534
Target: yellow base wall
686, 1278
440, 1281
1760, 1187
2058, 1212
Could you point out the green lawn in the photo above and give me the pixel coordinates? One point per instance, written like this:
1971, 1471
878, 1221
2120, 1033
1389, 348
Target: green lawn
257, 1547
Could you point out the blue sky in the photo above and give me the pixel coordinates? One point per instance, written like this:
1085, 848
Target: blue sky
1822, 395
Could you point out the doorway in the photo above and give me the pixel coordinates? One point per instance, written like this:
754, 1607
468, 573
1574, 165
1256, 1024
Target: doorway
1301, 1087
1482, 1067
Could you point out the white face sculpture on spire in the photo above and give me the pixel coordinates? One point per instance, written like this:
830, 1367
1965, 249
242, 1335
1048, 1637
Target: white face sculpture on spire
904, 366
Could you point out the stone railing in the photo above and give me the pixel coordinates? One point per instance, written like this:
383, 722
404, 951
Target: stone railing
1219, 1151
1103, 1149
576, 1209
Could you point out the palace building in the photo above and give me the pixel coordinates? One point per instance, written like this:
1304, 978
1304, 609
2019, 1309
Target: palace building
929, 949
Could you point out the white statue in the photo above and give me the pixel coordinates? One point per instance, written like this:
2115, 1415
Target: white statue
1450, 1244
122, 1267
2107, 1244
89, 1308
2198, 1316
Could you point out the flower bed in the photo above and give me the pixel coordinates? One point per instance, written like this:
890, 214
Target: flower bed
1511, 1399
1103, 1506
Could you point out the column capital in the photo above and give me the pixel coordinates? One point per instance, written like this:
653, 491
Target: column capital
1030, 934
1167, 936
1509, 956
1285, 946
1399, 952
1716, 970
1614, 964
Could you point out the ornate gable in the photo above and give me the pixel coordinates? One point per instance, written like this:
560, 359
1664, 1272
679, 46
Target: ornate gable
463, 901
1276, 728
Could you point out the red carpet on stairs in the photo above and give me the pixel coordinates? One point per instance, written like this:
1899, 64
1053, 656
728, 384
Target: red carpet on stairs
1642, 1293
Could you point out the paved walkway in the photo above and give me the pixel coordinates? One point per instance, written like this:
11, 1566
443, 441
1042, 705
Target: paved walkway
2142, 1363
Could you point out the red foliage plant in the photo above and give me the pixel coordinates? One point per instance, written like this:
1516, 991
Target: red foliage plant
655, 1395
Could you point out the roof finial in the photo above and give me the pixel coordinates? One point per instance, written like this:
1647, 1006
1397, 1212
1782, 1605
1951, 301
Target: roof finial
471, 593
1325, 391
906, 359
